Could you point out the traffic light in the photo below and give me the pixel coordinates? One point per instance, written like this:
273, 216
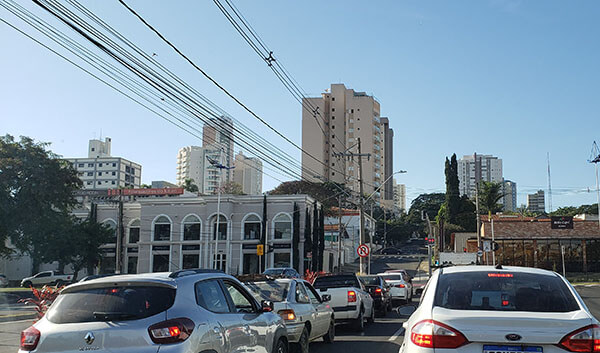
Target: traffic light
430, 241
495, 246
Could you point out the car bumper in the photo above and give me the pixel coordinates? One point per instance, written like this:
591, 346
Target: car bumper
294, 331
344, 313
399, 293
379, 303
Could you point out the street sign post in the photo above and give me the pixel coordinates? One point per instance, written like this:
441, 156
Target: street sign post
363, 250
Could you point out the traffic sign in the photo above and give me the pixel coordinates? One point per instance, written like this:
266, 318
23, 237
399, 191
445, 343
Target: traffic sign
479, 253
363, 250
260, 250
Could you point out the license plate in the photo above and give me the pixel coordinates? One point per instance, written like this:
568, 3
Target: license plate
512, 349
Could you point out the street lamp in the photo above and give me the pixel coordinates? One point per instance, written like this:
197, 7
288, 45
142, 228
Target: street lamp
382, 184
220, 166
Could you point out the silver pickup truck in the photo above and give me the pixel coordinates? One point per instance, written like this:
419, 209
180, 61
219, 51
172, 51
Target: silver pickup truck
46, 278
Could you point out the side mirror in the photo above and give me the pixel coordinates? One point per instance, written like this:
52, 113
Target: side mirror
326, 298
266, 306
406, 310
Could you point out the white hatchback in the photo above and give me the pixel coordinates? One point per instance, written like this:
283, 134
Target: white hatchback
484, 309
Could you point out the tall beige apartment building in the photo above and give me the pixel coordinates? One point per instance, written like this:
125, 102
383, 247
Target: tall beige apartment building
342, 116
248, 173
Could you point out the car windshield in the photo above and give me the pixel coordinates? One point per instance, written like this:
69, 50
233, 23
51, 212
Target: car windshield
369, 280
336, 282
392, 277
274, 291
110, 304
275, 271
504, 291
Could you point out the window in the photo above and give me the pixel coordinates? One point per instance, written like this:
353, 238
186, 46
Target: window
283, 227
210, 296
301, 294
90, 173
80, 165
315, 298
91, 165
114, 173
352, 111
99, 173
134, 232
191, 228
332, 117
112, 225
160, 263
241, 301
191, 261
282, 260
332, 146
222, 228
114, 164
89, 183
252, 227
132, 264
220, 261
333, 126
333, 98
113, 182
99, 183
99, 164
162, 229
93, 149
332, 109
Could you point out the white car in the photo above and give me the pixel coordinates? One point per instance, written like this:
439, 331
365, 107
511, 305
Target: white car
400, 287
485, 309
349, 299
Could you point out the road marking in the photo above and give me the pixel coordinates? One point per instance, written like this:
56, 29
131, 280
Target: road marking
396, 334
13, 322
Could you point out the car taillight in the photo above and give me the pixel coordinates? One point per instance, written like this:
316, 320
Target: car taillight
400, 285
351, 296
287, 314
433, 334
171, 331
377, 290
586, 339
30, 339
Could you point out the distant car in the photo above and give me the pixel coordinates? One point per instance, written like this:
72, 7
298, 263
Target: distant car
380, 292
404, 273
401, 289
391, 251
187, 311
483, 309
306, 314
287, 272
46, 278
91, 277
3, 281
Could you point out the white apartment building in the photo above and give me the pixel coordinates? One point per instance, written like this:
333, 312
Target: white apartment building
341, 117
192, 163
399, 197
218, 134
476, 167
102, 171
536, 202
509, 200
248, 173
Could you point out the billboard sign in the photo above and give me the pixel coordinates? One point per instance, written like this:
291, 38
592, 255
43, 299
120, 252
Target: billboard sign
563, 222
145, 192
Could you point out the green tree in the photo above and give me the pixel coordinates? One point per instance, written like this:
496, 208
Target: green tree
188, 185
87, 236
322, 192
36, 194
452, 200
489, 194
572, 211
231, 188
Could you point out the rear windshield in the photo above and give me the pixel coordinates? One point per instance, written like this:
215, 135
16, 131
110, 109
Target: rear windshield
504, 291
369, 280
275, 271
336, 282
392, 277
110, 304
272, 290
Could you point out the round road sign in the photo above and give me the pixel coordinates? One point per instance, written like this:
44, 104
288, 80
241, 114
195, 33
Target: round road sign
363, 250
479, 253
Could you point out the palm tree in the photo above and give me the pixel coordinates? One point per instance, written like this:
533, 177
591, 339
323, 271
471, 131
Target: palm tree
188, 185
489, 194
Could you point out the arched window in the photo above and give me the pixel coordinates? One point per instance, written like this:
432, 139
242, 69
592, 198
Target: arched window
134, 232
283, 226
222, 227
191, 228
113, 227
252, 227
162, 229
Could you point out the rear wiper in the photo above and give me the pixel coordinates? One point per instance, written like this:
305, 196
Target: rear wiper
110, 316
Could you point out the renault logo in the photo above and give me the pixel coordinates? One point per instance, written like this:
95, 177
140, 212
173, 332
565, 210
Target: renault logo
89, 338
513, 337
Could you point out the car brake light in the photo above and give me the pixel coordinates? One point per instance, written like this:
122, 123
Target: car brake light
400, 285
433, 334
171, 331
287, 314
500, 275
30, 338
351, 296
585, 339
377, 290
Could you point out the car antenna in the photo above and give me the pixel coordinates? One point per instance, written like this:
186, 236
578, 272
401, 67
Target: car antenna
499, 267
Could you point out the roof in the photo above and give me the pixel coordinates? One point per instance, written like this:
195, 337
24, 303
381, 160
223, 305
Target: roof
460, 269
532, 228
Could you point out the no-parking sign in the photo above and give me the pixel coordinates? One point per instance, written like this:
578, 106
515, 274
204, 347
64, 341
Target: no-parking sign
363, 250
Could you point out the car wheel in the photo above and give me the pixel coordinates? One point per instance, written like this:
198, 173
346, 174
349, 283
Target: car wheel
60, 283
302, 345
27, 284
330, 335
281, 347
359, 322
371, 318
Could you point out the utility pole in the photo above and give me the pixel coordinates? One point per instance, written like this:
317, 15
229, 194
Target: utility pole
340, 234
595, 158
119, 245
477, 176
220, 166
371, 239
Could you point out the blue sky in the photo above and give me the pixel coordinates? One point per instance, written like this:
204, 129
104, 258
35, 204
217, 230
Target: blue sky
515, 79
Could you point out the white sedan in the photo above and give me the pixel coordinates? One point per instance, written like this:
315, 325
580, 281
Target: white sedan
485, 309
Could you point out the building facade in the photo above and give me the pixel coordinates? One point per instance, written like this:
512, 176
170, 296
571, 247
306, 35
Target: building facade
388, 158
399, 197
536, 203
340, 117
101, 171
193, 163
218, 134
509, 200
248, 173
477, 167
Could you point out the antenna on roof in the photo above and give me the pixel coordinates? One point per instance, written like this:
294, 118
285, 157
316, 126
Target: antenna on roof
549, 185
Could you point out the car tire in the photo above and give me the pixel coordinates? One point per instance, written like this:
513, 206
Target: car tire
27, 284
359, 322
371, 318
330, 335
281, 346
302, 345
